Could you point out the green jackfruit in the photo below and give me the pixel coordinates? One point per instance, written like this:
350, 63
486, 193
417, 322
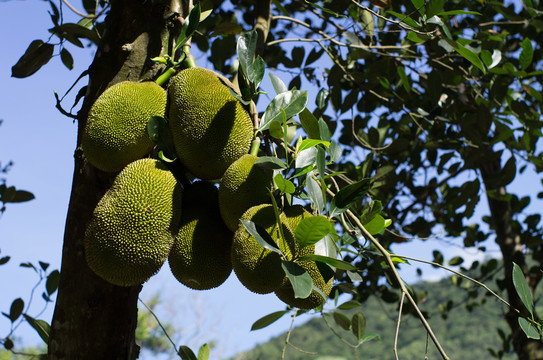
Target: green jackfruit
295, 214
243, 185
257, 268
116, 129
132, 228
210, 128
200, 257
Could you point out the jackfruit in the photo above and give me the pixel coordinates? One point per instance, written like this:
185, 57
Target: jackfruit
210, 128
200, 256
295, 214
257, 268
132, 228
116, 129
244, 184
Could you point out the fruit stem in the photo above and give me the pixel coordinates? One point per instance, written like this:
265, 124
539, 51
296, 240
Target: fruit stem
255, 146
166, 75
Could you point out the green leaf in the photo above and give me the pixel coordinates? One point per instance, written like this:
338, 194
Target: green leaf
376, 225
458, 12
186, 353
455, 261
358, 325
4, 260
203, 352
17, 196
246, 49
324, 131
41, 327
352, 193
419, 5
315, 192
321, 161
67, 59
259, 68
342, 320
189, 27
261, 235
268, 320
333, 13
322, 98
340, 264
309, 143
335, 151
51, 285
470, 56
16, 309
529, 329
311, 230
301, 281
278, 84
434, 7
349, 304
521, 286
404, 79
526, 55
284, 185
310, 124
292, 102
271, 162
36, 55
305, 158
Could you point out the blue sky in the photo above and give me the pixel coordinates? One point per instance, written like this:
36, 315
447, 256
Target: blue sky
40, 141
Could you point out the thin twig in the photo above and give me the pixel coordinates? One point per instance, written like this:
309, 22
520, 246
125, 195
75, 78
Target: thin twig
398, 328
398, 23
461, 275
390, 263
159, 323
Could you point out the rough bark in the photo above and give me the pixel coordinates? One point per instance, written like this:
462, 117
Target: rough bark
511, 249
94, 319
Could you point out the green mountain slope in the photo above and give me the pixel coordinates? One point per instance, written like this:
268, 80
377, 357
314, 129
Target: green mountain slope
465, 334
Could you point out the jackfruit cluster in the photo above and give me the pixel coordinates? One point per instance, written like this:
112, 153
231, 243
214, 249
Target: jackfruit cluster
116, 130
147, 217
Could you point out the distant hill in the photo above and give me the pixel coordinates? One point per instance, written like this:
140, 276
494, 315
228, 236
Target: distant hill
464, 335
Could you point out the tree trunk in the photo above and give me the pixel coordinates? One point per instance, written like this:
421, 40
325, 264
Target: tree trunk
511, 249
94, 319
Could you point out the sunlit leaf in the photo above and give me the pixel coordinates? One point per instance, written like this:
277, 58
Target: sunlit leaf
284, 185
246, 49
203, 352
278, 84
311, 230
340, 264
292, 102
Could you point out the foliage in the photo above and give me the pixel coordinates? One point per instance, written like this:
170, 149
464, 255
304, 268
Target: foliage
423, 108
470, 334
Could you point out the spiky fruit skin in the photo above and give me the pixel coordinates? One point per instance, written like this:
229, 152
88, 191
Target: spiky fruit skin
200, 256
257, 268
132, 228
295, 214
210, 128
243, 185
116, 129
